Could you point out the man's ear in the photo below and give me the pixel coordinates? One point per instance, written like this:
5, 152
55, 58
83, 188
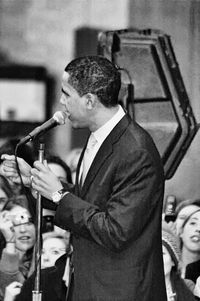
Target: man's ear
90, 100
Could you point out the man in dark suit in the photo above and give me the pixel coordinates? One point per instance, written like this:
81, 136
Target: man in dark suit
114, 209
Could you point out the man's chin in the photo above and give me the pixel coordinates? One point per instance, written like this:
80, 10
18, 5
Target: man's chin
77, 126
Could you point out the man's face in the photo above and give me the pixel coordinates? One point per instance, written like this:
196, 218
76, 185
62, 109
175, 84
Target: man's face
74, 104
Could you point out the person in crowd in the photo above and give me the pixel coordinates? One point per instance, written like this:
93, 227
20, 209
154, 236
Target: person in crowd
54, 283
54, 246
72, 161
59, 168
190, 246
55, 273
17, 239
114, 210
63, 172
177, 289
183, 210
24, 151
5, 191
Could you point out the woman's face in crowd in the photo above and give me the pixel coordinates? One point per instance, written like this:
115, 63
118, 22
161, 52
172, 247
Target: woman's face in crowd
183, 214
53, 248
191, 233
23, 228
168, 262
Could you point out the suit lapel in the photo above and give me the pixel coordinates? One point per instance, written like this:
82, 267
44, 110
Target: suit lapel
104, 152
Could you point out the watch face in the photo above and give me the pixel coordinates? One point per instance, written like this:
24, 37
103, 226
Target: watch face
56, 196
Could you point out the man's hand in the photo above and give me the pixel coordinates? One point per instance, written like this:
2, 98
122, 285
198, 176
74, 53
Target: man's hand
44, 180
9, 169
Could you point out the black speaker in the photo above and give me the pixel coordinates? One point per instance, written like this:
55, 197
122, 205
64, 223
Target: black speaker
152, 89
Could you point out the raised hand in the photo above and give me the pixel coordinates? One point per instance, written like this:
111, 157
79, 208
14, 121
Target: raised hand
6, 226
12, 290
197, 288
9, 169
44, 180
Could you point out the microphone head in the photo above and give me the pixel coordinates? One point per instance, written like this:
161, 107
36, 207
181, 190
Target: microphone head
59, 117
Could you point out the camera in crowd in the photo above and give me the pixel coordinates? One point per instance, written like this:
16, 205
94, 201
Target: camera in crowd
170, 209
20, 219
47, 223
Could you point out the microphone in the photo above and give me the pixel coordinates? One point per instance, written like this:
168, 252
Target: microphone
57, 119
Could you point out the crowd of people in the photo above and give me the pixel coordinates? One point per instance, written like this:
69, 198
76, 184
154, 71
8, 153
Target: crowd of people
181, 252
102, 234
18, 230
180, 243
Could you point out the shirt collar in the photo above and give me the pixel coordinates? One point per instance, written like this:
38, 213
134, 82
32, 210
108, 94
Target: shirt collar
105, 130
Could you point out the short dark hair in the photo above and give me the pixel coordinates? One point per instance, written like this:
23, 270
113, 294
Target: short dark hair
96, 75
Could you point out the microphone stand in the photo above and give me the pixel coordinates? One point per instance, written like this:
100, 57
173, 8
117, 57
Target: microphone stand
37, 293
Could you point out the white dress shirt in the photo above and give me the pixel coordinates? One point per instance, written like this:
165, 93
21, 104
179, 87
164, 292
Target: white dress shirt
101, 134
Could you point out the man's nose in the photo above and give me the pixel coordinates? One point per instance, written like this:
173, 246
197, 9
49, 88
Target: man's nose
62, 100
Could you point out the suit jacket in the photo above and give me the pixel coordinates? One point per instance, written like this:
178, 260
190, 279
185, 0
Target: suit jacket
116, 220
52, 285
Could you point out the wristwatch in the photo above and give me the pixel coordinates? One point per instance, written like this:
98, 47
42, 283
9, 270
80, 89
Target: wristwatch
58, 195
